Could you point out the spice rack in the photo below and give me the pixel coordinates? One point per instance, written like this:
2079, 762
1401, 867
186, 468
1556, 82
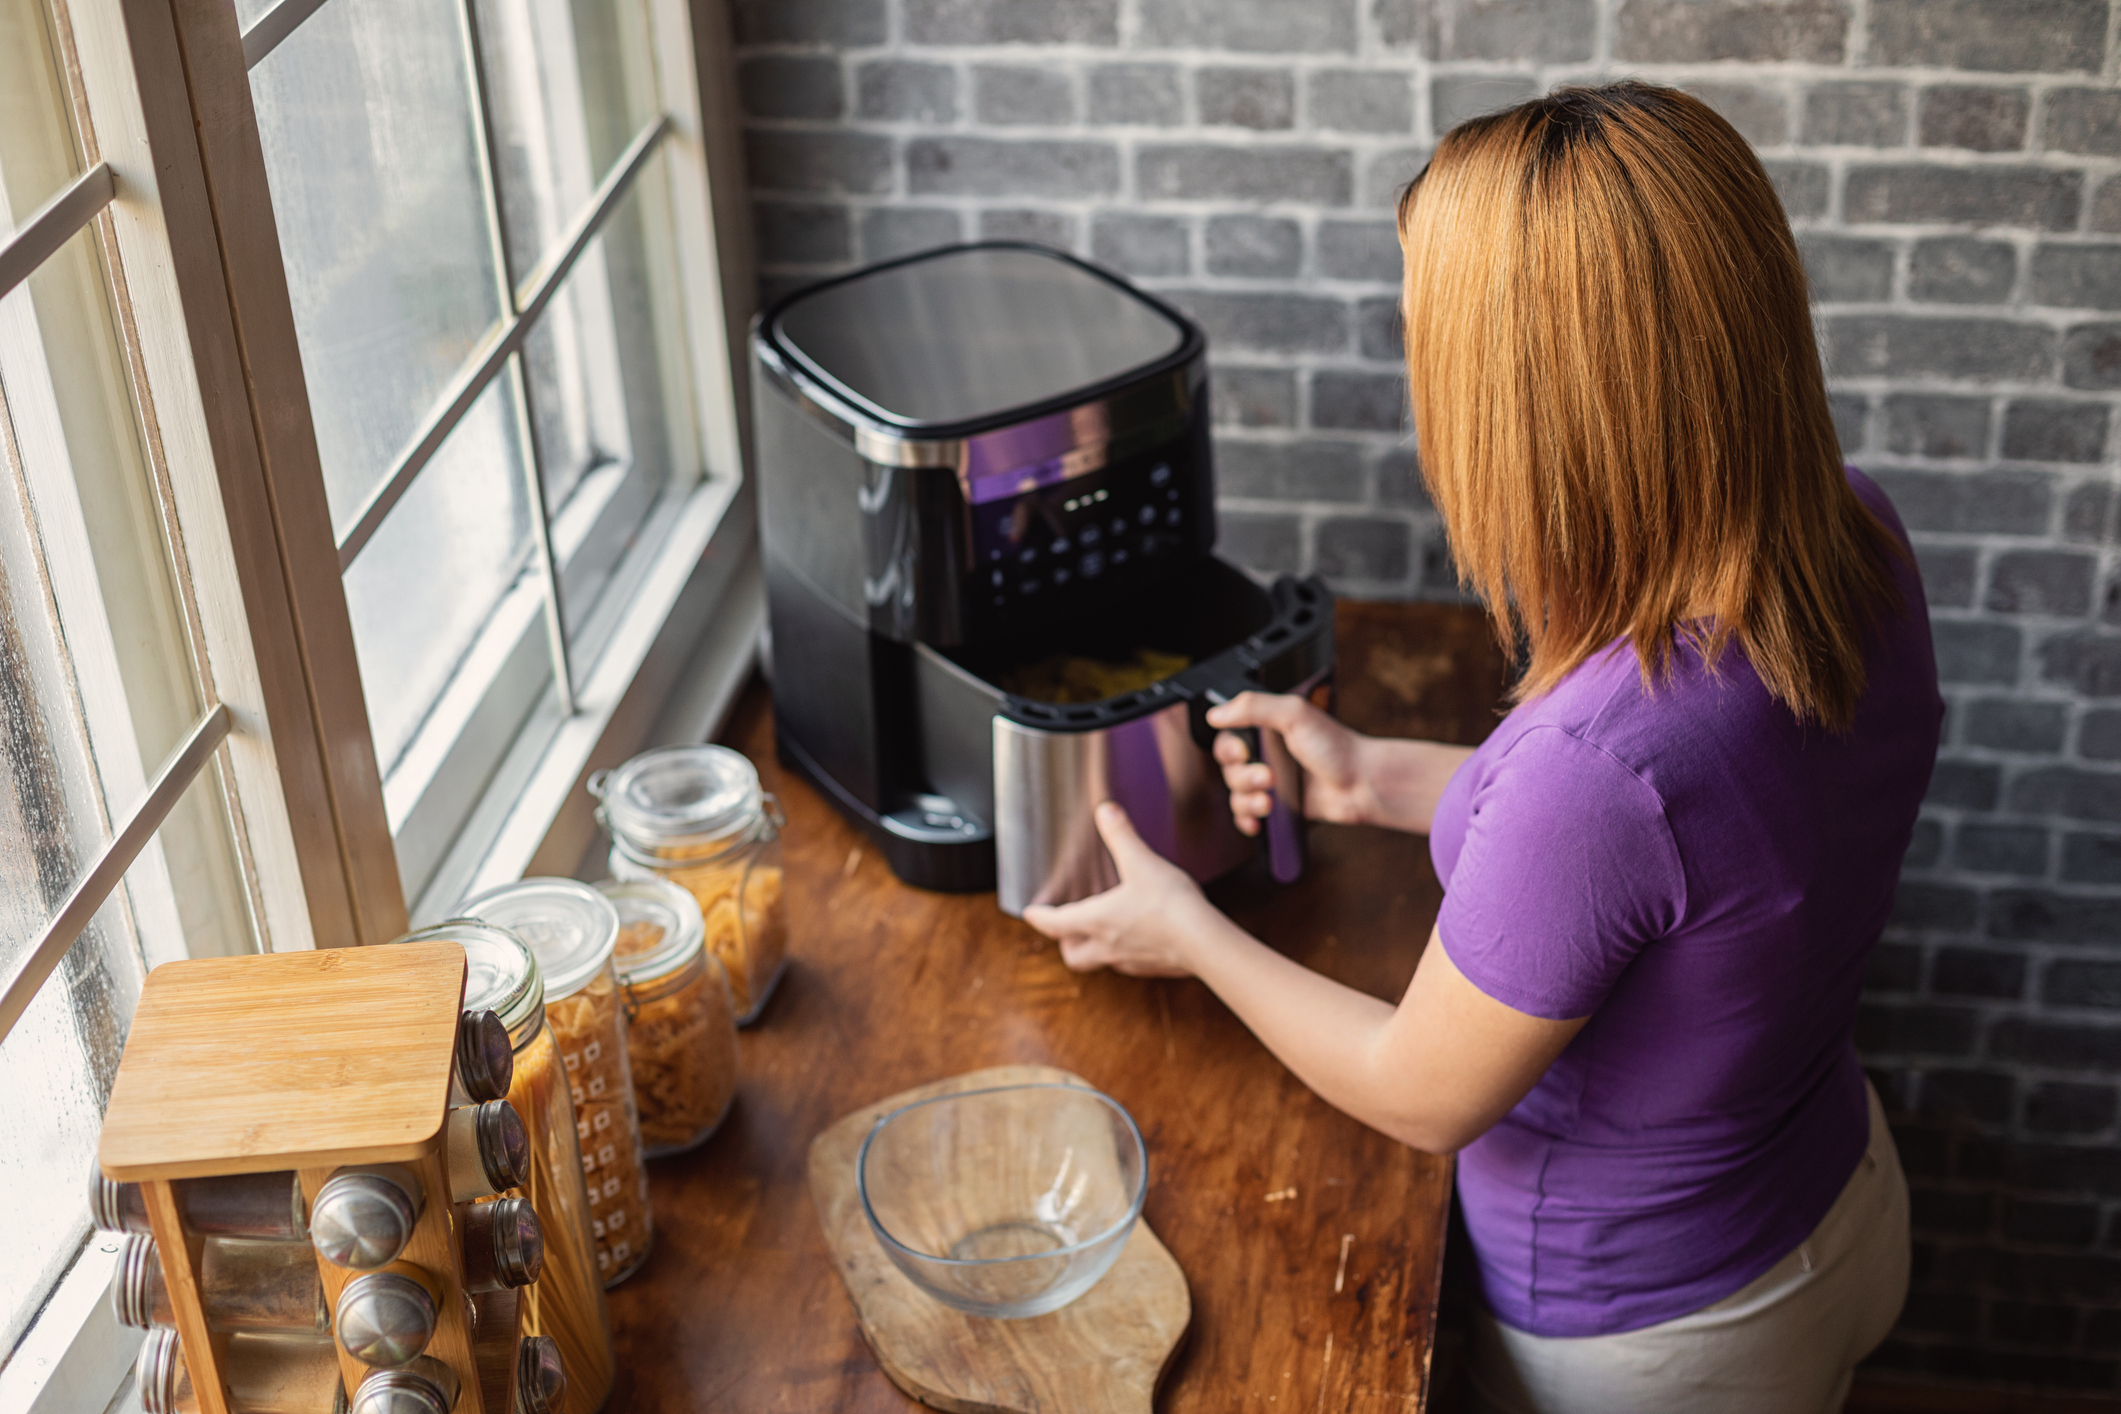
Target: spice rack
309, 1062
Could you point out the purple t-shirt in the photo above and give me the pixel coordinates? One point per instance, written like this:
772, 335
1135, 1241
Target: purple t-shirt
1703, 878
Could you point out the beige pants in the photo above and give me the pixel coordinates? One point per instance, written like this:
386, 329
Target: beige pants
1785, 1344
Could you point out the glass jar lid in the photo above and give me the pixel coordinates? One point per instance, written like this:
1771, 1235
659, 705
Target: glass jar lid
660, 927
692, 793
501, 974
569, 927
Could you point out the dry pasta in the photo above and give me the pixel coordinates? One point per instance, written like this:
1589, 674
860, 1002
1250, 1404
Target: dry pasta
1068, 678
586, 1026
749, 937
680, 1044
566, 1302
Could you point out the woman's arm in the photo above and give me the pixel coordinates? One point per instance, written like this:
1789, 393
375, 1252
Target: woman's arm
1349, 778
1435, 1072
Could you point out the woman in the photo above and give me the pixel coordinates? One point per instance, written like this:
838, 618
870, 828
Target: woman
1634, 1020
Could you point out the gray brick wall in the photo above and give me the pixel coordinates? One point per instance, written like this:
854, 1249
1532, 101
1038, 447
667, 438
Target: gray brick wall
1953, 168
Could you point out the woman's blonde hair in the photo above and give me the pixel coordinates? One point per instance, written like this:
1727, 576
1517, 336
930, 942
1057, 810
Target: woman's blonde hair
1619, 403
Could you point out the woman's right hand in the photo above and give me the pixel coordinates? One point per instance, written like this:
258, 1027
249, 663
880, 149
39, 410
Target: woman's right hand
1329, 753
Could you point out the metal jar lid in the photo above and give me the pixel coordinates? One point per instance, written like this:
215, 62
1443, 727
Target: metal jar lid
679, 795
501, 974
504, 1145
508, 1229
364, 1217
115, 1206
569, 927
486, 1060
673, 911
158, 1371
424, 1385
133, 1285
384, 1318
541, 1378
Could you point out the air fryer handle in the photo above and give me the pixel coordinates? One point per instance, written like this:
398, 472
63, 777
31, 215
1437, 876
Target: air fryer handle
1284, 822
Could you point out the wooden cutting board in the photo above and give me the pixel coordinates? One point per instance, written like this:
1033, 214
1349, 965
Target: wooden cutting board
1101, 1354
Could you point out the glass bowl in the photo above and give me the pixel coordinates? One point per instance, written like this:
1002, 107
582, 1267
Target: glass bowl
1006, 1202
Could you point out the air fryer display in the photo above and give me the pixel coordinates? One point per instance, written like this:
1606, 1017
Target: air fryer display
1088, 528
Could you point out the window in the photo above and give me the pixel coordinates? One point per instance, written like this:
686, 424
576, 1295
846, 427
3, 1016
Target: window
476, 215
369, 474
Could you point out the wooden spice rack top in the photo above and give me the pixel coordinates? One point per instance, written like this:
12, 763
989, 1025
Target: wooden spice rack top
290, 1061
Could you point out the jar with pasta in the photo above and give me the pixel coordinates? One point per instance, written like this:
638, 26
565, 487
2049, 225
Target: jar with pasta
695, 815
574, 931
566, 1302
680, 1020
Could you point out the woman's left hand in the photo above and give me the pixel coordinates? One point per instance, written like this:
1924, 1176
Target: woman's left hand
1144, 926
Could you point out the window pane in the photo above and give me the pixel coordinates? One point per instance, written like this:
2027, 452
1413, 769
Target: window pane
572, 360
437, 566
365, 118
51, 807
249, 12
85, 479
638, 250
571, 82
55, 1073
608, 368
57, 1065
40, 156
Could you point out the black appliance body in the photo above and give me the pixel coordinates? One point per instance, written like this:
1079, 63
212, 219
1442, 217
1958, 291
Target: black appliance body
971, 459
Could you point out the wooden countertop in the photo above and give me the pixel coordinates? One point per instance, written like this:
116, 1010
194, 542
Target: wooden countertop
1313, 1246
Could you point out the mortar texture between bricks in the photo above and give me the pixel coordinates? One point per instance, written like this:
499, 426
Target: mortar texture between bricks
1953, 171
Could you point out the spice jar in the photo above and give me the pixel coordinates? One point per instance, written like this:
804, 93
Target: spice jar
574, 932
695, 815
386, 1318
503, 1245
243, 1286
486, 1148
540, 1378
566, 1302
680, 1018
257, 1205
263, 1375
365, 1214
424, 1385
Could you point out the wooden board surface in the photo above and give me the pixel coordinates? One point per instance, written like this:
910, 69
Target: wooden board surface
1312, 1246
1103, 1353
285, 1060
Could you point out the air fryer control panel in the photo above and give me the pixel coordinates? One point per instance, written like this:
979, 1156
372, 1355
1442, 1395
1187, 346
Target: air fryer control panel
1075, 536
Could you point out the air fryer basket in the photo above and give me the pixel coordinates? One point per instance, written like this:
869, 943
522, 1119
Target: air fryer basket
1035, 770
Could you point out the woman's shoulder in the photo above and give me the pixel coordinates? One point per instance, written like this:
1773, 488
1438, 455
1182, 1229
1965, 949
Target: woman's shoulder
1700, 715
1679, 731
1609, 700
1589, 723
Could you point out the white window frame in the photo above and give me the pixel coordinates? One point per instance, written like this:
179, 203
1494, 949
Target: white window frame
176, 179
